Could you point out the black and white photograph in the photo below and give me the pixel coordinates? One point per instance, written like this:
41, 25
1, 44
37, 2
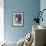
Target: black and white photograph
18, 18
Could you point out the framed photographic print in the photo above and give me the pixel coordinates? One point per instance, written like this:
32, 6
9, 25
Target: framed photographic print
18, 18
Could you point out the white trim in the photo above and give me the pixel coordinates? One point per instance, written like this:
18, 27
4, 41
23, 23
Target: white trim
1, 20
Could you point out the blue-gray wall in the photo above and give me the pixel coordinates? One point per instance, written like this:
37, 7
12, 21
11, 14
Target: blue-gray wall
29, 7
43, 6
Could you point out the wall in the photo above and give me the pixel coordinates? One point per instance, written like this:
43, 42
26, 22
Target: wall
29, 7
43, 6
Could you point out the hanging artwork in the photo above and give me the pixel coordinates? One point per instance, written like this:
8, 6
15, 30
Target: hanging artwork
18, 18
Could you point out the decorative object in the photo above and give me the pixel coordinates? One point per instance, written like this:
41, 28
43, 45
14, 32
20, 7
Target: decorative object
43, 23
18, 18
26, 41
39, 16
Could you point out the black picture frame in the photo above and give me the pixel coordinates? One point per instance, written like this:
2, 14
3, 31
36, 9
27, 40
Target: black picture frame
17, 19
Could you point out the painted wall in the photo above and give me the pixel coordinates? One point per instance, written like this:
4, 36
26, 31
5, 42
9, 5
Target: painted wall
43, 6
29, 7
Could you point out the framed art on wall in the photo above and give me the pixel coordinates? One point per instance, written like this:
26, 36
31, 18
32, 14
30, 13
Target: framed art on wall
18, 18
